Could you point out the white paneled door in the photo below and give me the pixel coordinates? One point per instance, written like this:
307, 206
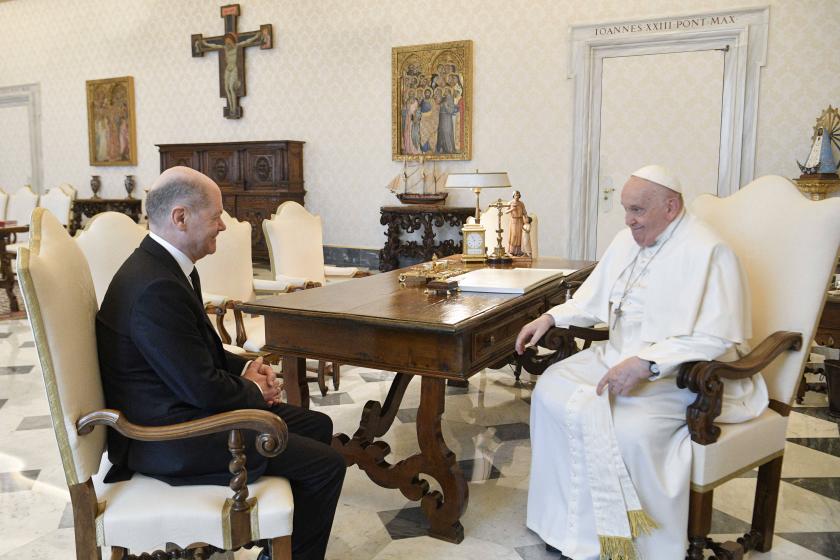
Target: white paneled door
658, 108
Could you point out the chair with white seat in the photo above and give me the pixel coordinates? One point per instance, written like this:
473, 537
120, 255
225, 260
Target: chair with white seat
227, 278
296, 247
59, 201
788, 246
530, 239
141, 513
107, 240
4, 202
20, 206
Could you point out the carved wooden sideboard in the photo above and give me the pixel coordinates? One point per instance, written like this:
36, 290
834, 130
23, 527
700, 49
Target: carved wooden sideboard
255, 177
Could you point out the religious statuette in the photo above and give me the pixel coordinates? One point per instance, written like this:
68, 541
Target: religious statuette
231, 47
519, 226
95, 185
129, 185
819, 172
416, 185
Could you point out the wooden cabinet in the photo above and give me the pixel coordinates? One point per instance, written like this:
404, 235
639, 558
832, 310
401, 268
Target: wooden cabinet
255, 177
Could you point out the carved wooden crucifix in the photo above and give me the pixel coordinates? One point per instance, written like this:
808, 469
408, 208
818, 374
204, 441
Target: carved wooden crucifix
231, 47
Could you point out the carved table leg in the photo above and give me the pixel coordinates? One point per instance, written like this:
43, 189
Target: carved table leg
294, 381
435, 459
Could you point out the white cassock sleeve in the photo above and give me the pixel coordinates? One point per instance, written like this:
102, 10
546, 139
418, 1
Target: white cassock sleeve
568, 313
670, 353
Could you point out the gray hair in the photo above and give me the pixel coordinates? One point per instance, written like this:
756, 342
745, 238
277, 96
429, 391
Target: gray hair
177, 190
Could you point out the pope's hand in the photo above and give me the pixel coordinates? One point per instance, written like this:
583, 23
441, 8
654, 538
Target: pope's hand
533, 332
623, 377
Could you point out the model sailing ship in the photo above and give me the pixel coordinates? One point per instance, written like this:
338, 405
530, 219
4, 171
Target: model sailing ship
416, 185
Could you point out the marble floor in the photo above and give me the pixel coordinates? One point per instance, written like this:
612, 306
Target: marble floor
485, 424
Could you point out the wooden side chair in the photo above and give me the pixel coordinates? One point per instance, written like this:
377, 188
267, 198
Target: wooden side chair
59, 201
19, 208
788, 246
141, 513
4, 202
295, 241
106, 241
227, 279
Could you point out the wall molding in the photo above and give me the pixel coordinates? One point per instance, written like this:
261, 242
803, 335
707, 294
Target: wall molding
741, 34
29, 96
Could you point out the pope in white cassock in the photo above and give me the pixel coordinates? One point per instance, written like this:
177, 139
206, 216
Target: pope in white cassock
611, 452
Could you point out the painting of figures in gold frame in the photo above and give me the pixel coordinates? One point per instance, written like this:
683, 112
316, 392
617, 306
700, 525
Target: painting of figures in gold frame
112, 135
431, 101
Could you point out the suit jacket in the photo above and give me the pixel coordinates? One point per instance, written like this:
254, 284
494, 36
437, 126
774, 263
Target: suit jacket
162, 363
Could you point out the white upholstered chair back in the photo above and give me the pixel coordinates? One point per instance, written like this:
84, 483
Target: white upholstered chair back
787, 245
106, 242
58, 201
295, 243
61, 304
4, 201
21, 204
490, 221
229, 272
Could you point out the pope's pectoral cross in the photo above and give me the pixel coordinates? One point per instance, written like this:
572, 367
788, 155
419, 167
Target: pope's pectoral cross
231, 47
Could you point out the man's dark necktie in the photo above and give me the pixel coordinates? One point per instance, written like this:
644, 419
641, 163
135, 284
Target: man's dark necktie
196, 284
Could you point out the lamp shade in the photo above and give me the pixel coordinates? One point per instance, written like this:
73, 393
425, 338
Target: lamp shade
477, 180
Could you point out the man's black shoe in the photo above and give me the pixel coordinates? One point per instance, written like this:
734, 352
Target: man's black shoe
264, 555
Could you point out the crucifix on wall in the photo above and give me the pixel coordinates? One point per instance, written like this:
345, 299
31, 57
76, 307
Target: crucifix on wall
231, 47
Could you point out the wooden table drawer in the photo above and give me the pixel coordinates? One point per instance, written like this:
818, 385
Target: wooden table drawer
488, 340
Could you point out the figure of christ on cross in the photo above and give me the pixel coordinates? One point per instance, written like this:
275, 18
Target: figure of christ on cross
232, 56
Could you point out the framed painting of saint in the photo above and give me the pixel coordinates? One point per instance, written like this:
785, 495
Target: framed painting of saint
112, 135
431, 101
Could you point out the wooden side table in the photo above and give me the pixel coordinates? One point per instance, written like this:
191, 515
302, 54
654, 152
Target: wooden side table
7, 274
427, 218
92, 206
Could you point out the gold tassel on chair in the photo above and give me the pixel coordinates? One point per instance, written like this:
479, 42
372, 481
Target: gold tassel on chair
641, 523
617, 548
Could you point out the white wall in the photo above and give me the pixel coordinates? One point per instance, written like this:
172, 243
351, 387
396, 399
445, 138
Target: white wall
15, 163
327, 81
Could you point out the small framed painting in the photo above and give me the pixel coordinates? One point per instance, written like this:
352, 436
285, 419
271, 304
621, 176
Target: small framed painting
431, 101
112, 135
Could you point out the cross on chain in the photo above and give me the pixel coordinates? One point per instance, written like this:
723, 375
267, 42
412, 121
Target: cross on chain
231, 47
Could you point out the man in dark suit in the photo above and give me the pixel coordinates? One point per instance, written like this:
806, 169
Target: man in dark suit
163, 363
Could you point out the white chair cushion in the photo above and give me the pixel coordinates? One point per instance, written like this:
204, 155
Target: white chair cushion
138, 511
739, 446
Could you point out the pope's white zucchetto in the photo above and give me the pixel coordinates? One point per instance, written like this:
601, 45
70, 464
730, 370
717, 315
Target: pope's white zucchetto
659, 175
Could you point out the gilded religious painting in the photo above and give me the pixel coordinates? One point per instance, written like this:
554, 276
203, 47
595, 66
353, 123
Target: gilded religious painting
431, 101
112, 138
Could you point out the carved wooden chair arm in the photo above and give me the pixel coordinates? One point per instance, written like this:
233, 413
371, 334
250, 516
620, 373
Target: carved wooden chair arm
272, 438
219, 311
361, 274
704, 378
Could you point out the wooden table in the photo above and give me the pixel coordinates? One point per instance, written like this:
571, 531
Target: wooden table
92, 206
8, 235
377, 323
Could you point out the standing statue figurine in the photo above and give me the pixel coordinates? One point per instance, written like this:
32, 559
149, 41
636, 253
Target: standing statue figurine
518, 214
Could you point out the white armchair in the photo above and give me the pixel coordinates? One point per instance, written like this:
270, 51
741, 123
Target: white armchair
788, 246
106, 241
59, 200
141, 513
227, 278
20, 206
296, 248
4, 202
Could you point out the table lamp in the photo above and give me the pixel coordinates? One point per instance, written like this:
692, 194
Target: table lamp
475, 248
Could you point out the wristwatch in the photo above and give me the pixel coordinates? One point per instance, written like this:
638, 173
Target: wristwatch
653, 368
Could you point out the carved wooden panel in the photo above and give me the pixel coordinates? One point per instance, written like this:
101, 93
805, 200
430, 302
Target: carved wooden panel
255, 177
223, 167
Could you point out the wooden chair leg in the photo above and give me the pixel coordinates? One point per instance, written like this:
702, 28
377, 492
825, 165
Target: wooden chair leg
85, 507
322, 377
699, 523
766, 500
281, 548
336, 375
118, 552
